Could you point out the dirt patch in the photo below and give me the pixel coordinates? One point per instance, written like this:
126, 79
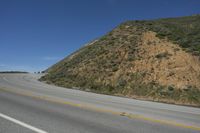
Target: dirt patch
166, 63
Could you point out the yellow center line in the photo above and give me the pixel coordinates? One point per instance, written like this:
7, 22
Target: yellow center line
93, 108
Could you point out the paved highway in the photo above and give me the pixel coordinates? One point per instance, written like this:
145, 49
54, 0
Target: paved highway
29, 106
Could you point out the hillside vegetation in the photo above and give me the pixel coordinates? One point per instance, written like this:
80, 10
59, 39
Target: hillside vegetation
155, 60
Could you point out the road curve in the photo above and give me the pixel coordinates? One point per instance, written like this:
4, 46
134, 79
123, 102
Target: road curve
56, 109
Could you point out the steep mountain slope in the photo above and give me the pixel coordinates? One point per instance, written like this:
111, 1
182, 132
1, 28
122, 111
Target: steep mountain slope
156, 60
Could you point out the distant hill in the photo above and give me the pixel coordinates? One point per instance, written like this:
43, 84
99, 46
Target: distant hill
12, 72
155, 60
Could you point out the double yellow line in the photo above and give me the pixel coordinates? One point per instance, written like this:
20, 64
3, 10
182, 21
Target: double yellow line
93, 108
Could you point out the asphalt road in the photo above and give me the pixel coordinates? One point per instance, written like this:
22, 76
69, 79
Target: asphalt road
28, 106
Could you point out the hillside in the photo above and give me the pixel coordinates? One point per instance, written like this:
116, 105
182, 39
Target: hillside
155, 60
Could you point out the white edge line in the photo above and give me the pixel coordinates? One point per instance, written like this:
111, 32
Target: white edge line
22, 124
4, 78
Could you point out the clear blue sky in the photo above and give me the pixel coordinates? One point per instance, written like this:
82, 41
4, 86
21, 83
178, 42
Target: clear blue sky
34, 34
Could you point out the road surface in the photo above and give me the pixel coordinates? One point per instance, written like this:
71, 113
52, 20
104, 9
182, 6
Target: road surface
29, 106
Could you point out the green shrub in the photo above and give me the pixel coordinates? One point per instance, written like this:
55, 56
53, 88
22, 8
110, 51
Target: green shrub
163, 55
